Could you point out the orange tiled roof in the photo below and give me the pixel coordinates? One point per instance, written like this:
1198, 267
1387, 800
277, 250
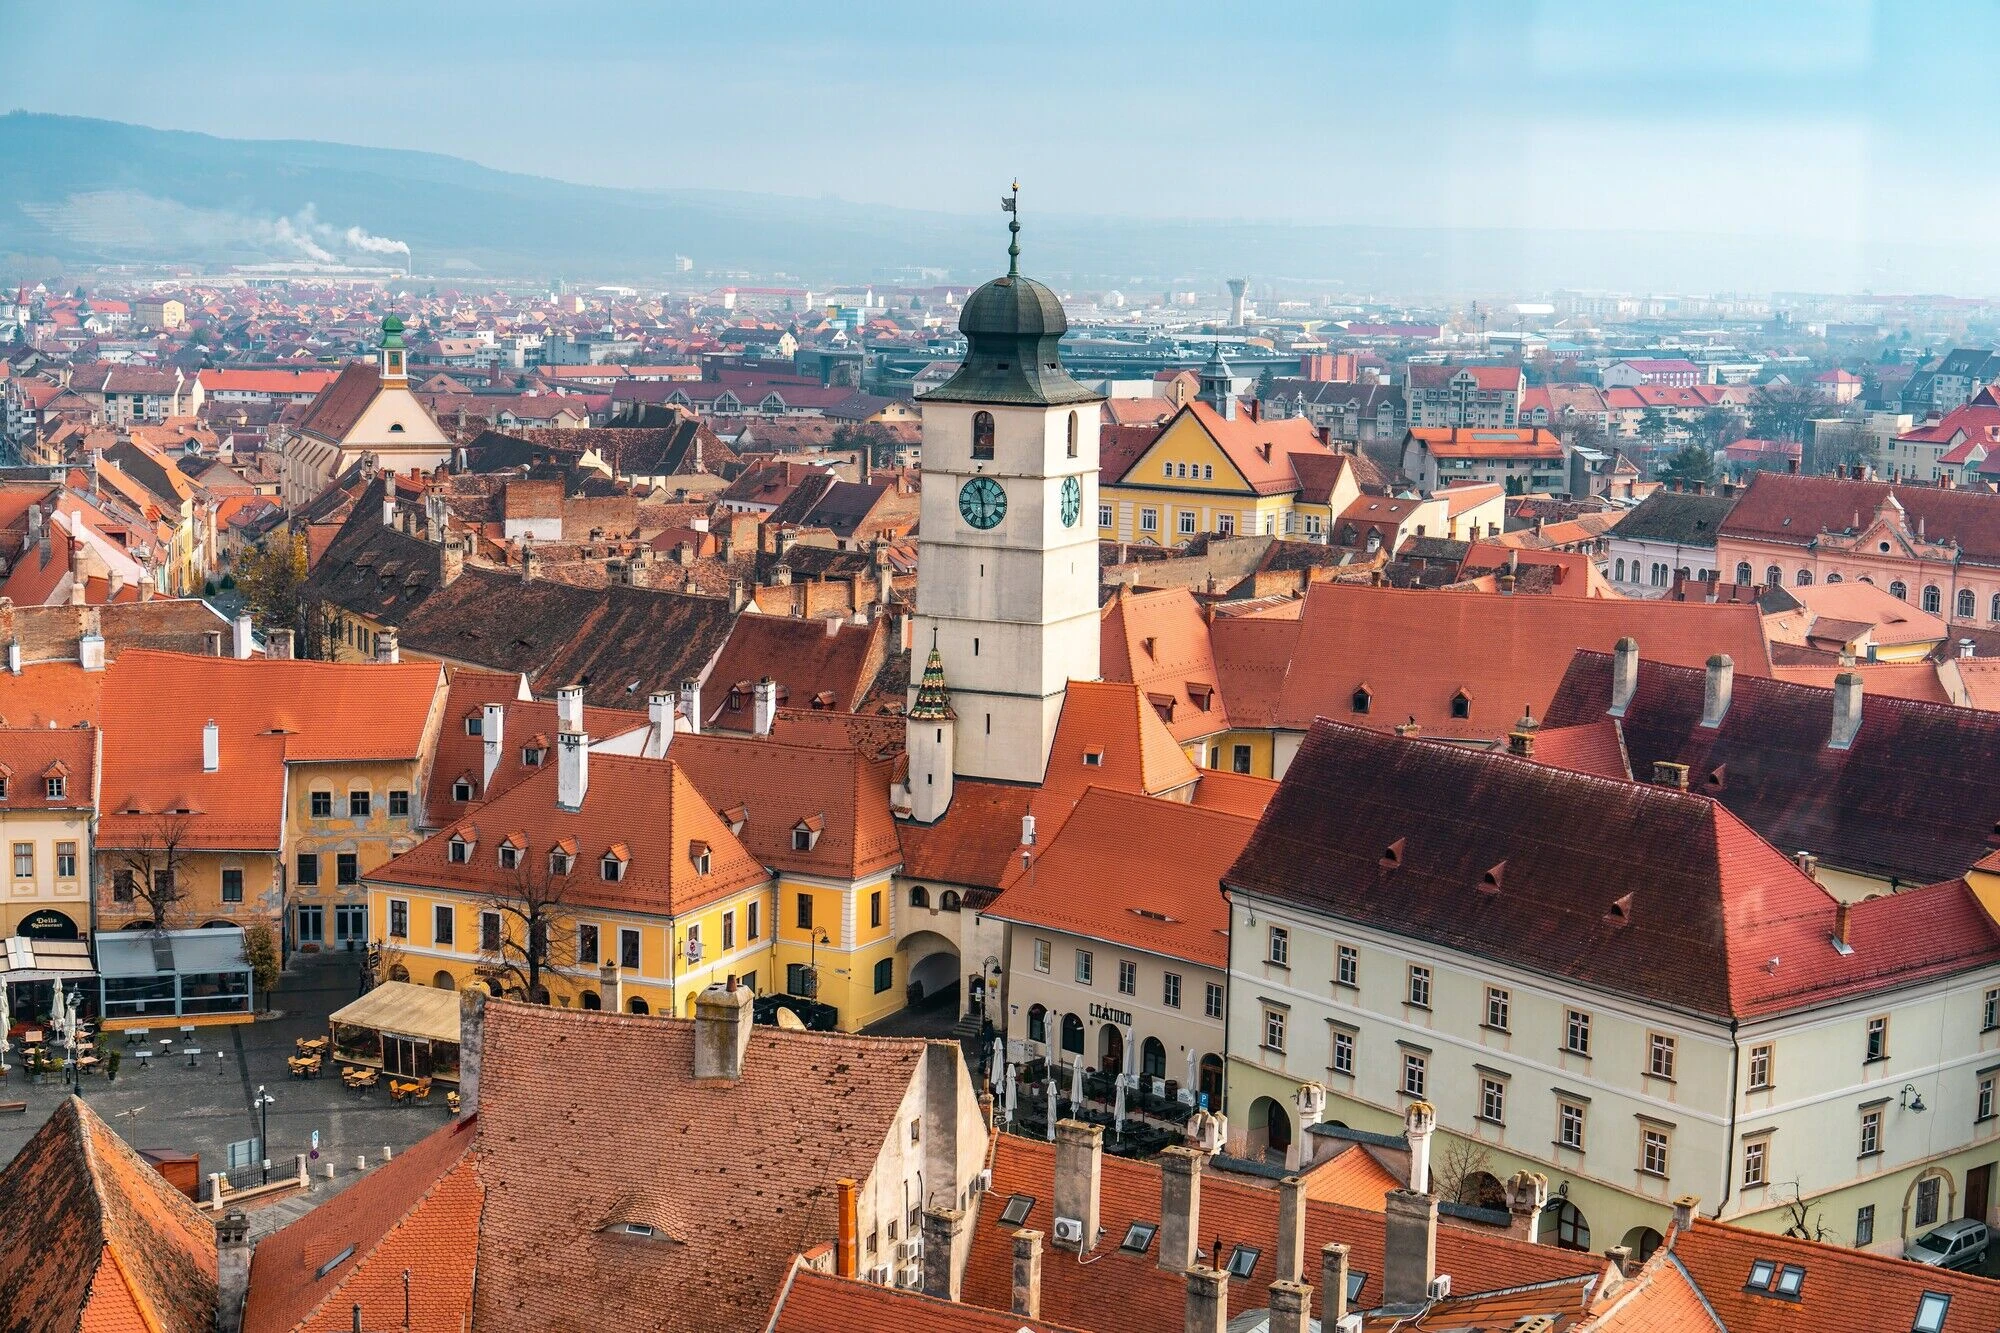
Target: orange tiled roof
816, 1302
1353, 1178
1137, 871
1260, 449
470, 689
1488, 442
648, 807
1158, 641
1589, 747
1234, 793
94, 1239
268, 714
58, 694
782, 785
419, 1211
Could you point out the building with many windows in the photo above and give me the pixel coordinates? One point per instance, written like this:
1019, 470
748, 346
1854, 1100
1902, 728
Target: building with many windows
48, 804
1530, 460
1616, 984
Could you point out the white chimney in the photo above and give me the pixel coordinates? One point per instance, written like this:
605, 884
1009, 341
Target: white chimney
388, 503
659, 723
1027, 830
1715, 694
572, 770
492, 736
89, 648
14, 656
241, 641
1846, 709
764, 705
211, 747
388, 650
691, 704
1418, 1123
569, 708
1624, 675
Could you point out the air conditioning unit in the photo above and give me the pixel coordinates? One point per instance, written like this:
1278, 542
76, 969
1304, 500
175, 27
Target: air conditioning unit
913, 1276
982, 1182
911, 1250
1069, 1230
1440, 1286
879, 1275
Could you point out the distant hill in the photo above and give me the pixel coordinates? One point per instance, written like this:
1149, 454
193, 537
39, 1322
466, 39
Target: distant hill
80, 191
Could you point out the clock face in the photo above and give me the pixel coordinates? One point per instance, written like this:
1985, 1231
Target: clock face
982, 503
1072, 501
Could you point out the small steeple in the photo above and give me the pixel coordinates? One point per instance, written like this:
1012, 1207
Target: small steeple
933, 702
1217, 384
1012, 206
395, 371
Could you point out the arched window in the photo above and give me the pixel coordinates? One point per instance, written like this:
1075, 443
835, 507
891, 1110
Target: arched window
919, 896
1993, 611
637, 1005
1572, 1229
982, 434
1743, 572
948, 901
1900, 591
1804, 578
444, 981
592, 1000
1833, 578
1153, 1058
1619, 576
1773, 576
1072, 1034
1038, 1024
1072, 434
1933, 599
397, 972
1967, 604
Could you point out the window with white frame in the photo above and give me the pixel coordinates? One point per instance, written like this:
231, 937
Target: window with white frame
1212, 1005
1569, 1125
1416, 1068
1170, 990
1989, 1011
1274, 1029
1576, 1032
1042, 952
1279, 950
1493, 1101
1871, 1132
1661, 1050
1347, 968
1756, 1162
1985, 1098
1343, 1052
1128, 977
1499, 1008
1878, 1039
1653, 1151
1760, 1068
1086, 966
1420, 986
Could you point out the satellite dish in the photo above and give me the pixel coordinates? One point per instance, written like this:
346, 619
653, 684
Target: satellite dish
790, 1021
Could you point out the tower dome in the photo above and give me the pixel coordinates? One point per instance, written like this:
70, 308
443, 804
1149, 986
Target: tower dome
1013, 329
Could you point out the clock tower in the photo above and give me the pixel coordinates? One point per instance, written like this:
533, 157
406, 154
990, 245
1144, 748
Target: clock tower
1007, 550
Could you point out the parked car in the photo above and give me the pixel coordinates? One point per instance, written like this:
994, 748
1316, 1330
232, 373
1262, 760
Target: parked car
1960, 1244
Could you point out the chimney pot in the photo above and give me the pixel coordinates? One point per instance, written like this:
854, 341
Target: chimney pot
764, 706
1809, 866
611, 989
1207, 1301
1289, 1303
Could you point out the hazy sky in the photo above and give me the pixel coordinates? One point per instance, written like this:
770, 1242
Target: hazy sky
1845, 122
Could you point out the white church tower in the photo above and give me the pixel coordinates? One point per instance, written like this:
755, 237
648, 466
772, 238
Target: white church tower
1007, 551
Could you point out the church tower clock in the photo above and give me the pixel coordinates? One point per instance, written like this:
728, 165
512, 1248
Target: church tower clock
1007, 550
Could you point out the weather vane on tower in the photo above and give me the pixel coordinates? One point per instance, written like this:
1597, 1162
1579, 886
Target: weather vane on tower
1012, 204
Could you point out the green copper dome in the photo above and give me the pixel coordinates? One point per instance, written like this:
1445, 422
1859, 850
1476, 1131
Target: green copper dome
392, 331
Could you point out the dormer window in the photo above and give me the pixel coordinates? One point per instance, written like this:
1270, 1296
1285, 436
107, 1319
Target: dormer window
615, 863
1362, 696
458, 850
474, 724
1093, 759
510, 852
3, 788
736, 816
699, 857
57, 786
561, 862
461, 790
805, 833
533, 755
1461, 705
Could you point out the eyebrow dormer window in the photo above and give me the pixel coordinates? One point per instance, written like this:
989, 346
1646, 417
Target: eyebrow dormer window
982, 434
613, 868
560, 862
458, 851
532, 756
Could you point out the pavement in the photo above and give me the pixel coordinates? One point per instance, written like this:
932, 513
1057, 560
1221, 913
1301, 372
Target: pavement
204, 1109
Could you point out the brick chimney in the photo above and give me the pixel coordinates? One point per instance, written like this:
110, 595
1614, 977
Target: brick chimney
1332, 1286
611, 988
1624, 675
1846, 710
1079, 1174
1180, 1208
1027, 1292
1842, 915
1207, 1301
1715, 693
232, 1269
1809, 866
721, 1031
1666, 773
1521, 744
1291, 1256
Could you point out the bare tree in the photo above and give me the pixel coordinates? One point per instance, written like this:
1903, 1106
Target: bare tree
150, 875
1581, 430
537, 927
1802, 1222
1462, 1170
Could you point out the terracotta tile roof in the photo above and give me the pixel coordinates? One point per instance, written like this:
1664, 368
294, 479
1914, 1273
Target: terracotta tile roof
1795, 510
336, 409
1587, 747
29, 756
280, 382
1661, 1299
646, 806
805, 656
1917, 681
1123, 730
375, 570
1234, 793
468, 691
1415, 651
1354, 1178
1159, 642
1119, 1291
782, 784
418, 1211
977, 843
1718, 1258
815, 1302
1564, 1303
1253, 656
1488, 442
1136, 871
1260, 449
1631, 888
1867, 808
1119, 446
58, 694
268, 713
92, 1238
737, 1179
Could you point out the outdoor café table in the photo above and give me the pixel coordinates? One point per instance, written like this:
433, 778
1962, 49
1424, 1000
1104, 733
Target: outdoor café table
193, 1053
86, 1063
143, 1055
141, 1035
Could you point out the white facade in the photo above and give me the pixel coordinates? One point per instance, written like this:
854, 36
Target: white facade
1645, 568
1013, 605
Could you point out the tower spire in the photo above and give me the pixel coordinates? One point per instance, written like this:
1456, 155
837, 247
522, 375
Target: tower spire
1011, 205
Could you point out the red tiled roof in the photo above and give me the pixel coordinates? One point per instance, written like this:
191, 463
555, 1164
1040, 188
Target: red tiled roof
60, 694
1488, 442
332, 414
1137, 871
1253, 656
1119, 1291
815, 1302
1631, 888
1795, 510
1158, 641
1589, 747
782, 784
804, 656
469, 690
1415, 651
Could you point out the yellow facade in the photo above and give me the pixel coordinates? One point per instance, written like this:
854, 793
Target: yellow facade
351, 637
848, 937
331, 849
208, 885
53, 849
1183, 485
1225, 752
663, 981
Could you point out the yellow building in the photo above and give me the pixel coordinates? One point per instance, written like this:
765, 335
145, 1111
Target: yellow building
600, 861
262, 792
48, 799
1210, 471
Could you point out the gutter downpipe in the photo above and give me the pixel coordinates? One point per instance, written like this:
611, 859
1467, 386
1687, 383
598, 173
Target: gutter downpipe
1735, 1073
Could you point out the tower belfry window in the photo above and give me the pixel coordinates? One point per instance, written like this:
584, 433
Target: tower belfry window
1072, 434
982, 434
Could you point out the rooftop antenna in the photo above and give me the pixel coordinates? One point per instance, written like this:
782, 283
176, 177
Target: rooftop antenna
1011, 204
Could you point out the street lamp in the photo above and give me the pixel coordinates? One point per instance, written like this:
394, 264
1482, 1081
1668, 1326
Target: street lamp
262, 1102
813, 939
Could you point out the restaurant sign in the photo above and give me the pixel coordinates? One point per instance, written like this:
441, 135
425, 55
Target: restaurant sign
1119, 1016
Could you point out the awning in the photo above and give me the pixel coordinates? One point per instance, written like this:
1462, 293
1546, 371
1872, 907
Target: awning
149, 953
405, 1010
28, 959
